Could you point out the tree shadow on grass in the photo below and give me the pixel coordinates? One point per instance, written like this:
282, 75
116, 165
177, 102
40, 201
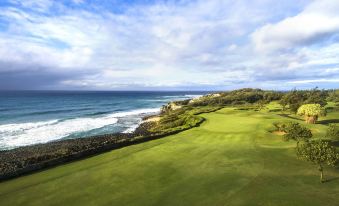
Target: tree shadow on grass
334, 143
274, 110
288, 116
328, 121
331, 179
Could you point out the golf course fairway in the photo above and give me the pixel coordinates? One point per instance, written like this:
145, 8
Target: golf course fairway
231, 159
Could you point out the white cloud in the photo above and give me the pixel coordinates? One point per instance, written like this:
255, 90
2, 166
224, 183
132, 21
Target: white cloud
38, 5
317, 22
78, 1
165, 44
315, 81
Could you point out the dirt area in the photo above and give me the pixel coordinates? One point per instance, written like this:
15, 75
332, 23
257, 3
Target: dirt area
152, 119
280, 133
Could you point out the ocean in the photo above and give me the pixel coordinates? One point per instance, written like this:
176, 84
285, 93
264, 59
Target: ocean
32, 117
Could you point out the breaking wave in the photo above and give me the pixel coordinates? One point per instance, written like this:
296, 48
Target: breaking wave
21, 134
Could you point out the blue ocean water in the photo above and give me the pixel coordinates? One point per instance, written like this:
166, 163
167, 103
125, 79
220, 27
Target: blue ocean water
31, 117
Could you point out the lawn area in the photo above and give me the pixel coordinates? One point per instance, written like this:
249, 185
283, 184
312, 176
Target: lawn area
231, 159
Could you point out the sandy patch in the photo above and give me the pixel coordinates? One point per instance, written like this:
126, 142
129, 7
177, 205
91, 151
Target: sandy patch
152, 119
276, 146
280, 133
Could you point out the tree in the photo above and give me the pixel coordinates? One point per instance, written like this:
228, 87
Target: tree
333, 131
261, 104
333, 96
295, 98
296, 132
284, 102
320, 153
311, 112
316, 96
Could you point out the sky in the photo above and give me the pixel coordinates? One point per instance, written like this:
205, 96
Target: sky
168, 45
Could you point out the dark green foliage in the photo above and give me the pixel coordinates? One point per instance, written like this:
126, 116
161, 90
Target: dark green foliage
239, 97
182, 102
181, 119
284, 101
295, 98
333, 131
333, 96
318, 152
316, 96
272, 96
279, 126
297, 132
294, 131
331, 109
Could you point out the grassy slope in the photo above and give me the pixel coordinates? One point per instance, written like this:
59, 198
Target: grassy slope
230, 159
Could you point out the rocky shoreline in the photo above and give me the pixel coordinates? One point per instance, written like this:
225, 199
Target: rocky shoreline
27, 159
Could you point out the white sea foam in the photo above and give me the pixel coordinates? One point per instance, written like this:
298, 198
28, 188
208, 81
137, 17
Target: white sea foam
135, 112
132, 128
193, 95
21, 134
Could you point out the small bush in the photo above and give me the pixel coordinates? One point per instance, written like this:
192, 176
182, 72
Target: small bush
297, 132
181, 119
280, 126
285, 138
294, 131
333, 131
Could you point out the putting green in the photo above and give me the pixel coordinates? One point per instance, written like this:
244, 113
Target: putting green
231, 159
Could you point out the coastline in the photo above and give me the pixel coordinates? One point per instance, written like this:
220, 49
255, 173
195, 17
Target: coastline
34, 117
151, 118
32, 158
27, 159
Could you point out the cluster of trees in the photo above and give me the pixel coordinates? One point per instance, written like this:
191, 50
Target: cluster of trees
238, 97
292, 99
318, 152
296, 98
294, 131
180, 119
333, 132
307, 103
310, 104
333, 95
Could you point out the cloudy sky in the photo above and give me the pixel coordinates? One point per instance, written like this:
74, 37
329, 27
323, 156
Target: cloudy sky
168, 45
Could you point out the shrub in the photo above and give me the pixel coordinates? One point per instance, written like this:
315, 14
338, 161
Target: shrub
280, 126
294, 131
297, 132
180, 119
333, 131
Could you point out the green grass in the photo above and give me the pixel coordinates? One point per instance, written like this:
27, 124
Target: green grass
231, 159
